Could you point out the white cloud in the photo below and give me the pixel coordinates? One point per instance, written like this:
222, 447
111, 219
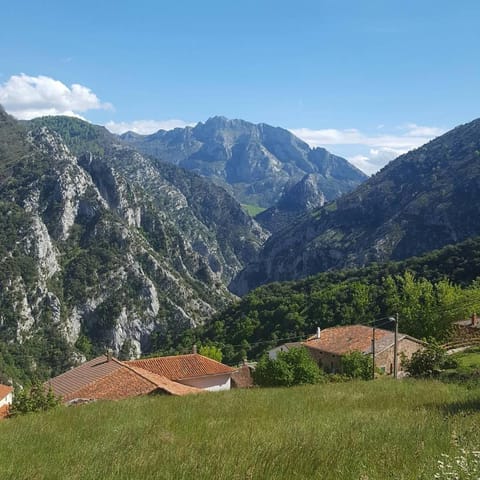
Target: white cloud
146, 127
375, 150
26, 97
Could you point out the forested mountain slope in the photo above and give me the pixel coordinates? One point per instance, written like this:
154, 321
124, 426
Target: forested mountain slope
101, 246
421, 201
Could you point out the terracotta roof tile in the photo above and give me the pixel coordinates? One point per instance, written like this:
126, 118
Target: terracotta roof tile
5, 390
163, 383
180, 367
79, 377
341, 340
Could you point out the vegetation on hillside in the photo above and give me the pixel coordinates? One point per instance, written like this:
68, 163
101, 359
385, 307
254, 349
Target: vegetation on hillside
349, 431
428, 292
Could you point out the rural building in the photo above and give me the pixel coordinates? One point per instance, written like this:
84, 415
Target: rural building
192, 370
329, 345
107, 378
6, 399
242, 377
285, 347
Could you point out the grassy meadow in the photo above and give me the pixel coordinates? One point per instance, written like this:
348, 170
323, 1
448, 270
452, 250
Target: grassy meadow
252, 210
358, 430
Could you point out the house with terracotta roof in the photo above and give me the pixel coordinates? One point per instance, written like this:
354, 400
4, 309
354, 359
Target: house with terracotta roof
6, 399
193, 370
329, 345
107, 378
285, 347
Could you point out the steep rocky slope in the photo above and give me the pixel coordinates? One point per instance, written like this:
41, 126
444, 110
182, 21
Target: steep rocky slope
101, 246
423, 200
253, 161
296, 199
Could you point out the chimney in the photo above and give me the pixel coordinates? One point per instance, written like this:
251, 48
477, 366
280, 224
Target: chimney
318, 333
474, 320
109, 354
194, 349
245, 361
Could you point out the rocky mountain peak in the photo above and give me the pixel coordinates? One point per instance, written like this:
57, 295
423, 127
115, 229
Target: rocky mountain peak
302, 196
252, 161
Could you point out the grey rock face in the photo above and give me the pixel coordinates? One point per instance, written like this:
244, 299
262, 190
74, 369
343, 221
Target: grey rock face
254, 162
103, 243
297, 199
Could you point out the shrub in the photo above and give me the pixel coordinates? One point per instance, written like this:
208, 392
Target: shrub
426, 362
295, 367
34, 399
357, 365
211, 351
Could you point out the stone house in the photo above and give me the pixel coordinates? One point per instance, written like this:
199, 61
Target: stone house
329, 345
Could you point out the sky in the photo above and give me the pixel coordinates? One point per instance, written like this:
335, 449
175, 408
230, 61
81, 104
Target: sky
366, 79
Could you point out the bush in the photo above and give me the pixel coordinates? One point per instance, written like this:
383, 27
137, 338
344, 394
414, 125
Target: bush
34, 399
357, 365
426, 362
295, 367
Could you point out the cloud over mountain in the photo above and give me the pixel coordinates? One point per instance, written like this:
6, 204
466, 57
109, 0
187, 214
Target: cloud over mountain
26, 97
375, 150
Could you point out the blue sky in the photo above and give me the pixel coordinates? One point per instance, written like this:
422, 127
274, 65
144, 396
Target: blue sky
367, 79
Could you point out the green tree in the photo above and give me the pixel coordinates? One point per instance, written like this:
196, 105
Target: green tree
211, 351
357, 365
295, 367
35, 399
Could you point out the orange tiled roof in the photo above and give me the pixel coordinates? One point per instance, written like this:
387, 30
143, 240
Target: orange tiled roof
341, 340
112, 380
163, 383
5, 390
180, 367
79, 377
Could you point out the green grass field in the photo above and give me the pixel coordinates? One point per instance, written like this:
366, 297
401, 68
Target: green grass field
252, 210
468, 360
359, 430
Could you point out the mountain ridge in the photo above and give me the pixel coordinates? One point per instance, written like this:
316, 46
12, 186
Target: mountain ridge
253, 161
421, 201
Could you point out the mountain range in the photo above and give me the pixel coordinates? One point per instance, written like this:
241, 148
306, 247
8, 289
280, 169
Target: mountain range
101, 245
253, 162
421, 201
105, 245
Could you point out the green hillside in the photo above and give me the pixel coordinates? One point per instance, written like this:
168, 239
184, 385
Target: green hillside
429, 292
360, 430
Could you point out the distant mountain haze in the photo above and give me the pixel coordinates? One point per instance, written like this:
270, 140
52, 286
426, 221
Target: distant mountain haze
254, 162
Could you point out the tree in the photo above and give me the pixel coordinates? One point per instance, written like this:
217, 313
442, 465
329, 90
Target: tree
295, 367
211, 351
357, 365
35, 399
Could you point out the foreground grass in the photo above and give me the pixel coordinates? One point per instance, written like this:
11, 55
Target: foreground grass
362, 430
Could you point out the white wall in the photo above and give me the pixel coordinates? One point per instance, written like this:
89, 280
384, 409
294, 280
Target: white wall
212, 383
6, 400
272, 354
